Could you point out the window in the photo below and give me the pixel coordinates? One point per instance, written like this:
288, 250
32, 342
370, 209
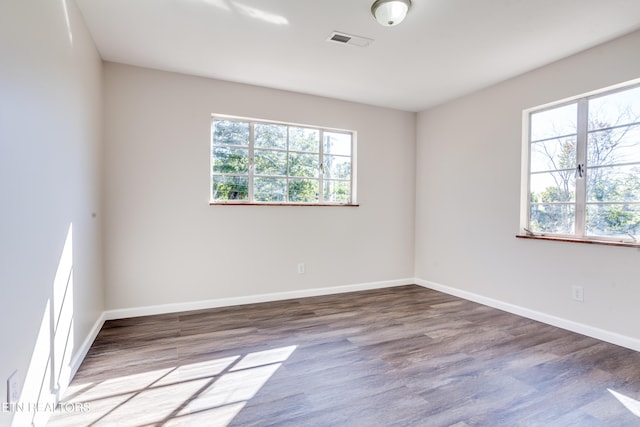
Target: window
256, 162
583, 167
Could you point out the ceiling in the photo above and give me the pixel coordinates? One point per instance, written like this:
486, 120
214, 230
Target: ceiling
444, 48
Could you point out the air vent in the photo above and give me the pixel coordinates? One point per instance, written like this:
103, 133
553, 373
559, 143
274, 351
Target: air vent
349, 39
340, 38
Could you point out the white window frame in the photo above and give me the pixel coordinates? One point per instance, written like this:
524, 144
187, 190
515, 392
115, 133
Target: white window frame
581, 162
321, 161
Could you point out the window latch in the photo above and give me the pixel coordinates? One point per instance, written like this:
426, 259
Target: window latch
580, 170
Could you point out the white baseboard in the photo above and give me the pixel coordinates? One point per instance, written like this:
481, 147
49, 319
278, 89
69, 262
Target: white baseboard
86, 345
250, 299
597, 333
580, 328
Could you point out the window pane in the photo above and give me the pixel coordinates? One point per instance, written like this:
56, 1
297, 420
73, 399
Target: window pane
551, 187
337, 191
228, 132
613, 184
553, 154
559, 121
613, 220
619, 108
337, 143
226, 187
279, 162
337, 167
270, 136
269, 189
552, 218
303, 190
268, 162
304, 165
230, 160
614, 146
304, 139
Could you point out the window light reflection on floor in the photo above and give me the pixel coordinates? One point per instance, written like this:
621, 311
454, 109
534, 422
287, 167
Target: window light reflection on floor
214, 391
631, 404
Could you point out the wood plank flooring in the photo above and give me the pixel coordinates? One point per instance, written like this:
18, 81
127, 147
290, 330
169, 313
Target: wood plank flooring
404, 356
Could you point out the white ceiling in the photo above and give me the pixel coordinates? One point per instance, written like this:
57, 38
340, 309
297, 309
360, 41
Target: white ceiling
444, 49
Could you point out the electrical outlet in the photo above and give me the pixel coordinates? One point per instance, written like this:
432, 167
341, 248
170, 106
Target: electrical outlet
578, 293
13, 394
301, 268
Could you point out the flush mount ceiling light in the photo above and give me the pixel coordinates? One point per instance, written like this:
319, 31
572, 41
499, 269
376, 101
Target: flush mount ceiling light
390, 12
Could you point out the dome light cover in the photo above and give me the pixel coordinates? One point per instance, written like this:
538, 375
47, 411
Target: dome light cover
390, 12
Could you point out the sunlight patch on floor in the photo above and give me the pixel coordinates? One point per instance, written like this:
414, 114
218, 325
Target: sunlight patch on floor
631, 404
214, 390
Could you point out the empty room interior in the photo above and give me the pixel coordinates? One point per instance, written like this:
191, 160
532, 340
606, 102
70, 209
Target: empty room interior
320, 213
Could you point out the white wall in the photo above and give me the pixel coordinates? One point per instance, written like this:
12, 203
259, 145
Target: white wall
468, 198
165, 245
50, 132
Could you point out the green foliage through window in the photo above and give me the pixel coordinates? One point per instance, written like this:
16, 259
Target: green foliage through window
258, 162
584, 174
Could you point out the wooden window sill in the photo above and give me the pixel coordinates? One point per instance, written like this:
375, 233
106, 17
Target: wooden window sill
283, 204
569, 239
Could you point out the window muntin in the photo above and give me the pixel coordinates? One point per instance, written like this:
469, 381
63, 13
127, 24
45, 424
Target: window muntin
584, 167
266, 162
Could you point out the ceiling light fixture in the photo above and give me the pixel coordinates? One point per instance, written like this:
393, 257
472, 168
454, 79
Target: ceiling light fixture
390, 12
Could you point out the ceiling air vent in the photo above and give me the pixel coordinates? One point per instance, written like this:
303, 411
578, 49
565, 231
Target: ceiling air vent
350, 39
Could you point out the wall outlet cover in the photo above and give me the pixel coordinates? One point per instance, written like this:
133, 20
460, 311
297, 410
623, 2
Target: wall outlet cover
577, 293
13, 394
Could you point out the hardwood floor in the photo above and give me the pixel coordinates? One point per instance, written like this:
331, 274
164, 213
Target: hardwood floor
404, 356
